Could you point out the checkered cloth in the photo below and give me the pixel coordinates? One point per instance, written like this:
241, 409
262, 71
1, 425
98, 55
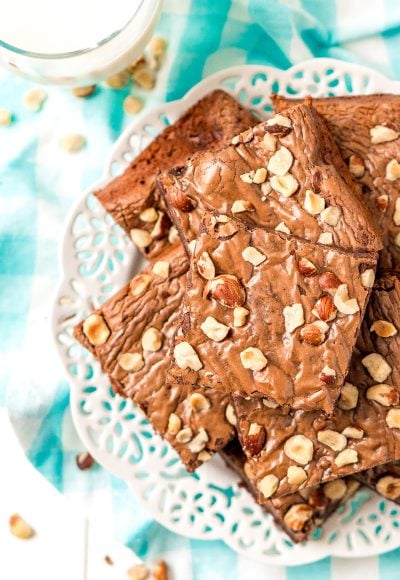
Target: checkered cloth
39, 183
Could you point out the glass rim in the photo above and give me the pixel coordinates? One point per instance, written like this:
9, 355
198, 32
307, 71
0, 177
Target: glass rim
73, 53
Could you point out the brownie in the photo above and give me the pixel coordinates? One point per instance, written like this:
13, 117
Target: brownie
384, 479
270, 315
298, 514
290, 450
285, 174
367, 131
130, 335
132, 199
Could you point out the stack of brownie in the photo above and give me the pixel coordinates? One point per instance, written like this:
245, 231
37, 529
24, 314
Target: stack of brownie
265, 326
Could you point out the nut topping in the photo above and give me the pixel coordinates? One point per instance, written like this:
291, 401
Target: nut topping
192, 247
343, 303
215, 330
385, 395
184, 435
174, 424
396, 215
199, 402
186, 357
327, 375
393, 170
140, 284
240, 315
280, 162
296, 475
198, 442
20, 528
152, 340
389, 487
329, 282
353, 433
138, 572
180, 200
348, 397
269, 404
368, 278
268, 485
325, 238
286, 185
148, 215
335, 490
332, 439
96, 330
269, 142
346, 457
131, 362
173, 235
383, 328
297, 516
382, 134
204, 456
356, 166
377, 367
161, 269
260, 175
325, 309
253, 256
306, 268
382, 202
294, 317
331, 215
282, 227
227, 290
299, 448
205, 266
161, 227
247, 177
141, 238
241, 205
393, 419
313, 334
84, 461
313, 202
254, 442
252, 358
278, 121
397, 240
230, 415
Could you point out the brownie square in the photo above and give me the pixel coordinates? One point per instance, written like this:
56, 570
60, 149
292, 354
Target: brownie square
367, 131
269, 315
290, 450
298, 514
131, 335
286, 174
132, 199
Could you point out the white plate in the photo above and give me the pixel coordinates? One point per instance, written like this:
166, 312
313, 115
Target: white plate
97, 259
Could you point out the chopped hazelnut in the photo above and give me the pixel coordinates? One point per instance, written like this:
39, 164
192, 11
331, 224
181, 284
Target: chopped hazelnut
383, 328
299, 448
240, 315
252, 358
294, 316
131, 362
96, 330
313, 202
268, 485
296, 475
332, 439
152, 340
213, 329
141, 238
286, 185
253, 256
377, 367
186, 357
346, 457
348, 397
161, 268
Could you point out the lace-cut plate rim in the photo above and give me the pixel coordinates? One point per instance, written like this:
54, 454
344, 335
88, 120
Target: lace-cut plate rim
98, 258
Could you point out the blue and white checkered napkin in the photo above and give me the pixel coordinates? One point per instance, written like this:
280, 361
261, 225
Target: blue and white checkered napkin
38, 184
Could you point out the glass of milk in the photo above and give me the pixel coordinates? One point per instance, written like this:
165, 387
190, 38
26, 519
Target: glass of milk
74, 42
